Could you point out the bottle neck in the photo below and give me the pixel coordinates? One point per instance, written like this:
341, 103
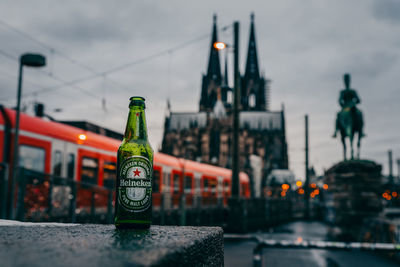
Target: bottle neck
136, 128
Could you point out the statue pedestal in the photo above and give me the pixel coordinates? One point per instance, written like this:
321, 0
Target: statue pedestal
354, 193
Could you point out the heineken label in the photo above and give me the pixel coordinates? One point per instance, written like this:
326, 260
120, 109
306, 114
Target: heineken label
135, 184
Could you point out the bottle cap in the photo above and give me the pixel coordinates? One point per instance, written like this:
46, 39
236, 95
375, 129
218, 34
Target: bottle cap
137, 101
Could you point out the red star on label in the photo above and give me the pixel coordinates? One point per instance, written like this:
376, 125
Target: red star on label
137, 172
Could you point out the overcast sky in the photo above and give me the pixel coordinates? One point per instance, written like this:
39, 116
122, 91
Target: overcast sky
304, 47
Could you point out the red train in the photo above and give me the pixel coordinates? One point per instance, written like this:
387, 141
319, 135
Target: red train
66, 151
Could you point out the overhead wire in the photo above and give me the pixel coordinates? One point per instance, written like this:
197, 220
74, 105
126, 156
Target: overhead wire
109, 71
56, 51
54, 77
96, 74
13, 58
7, 55
5, 73
161, 53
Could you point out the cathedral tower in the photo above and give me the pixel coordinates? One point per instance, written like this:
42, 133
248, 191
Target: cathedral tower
254, 86
213, 78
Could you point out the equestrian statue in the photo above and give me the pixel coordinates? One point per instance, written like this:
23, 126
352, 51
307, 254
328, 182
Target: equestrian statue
349, 120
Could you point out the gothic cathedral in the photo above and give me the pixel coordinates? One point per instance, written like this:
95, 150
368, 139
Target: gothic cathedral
206, 136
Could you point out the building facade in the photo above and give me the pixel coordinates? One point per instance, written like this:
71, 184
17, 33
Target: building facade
206, 136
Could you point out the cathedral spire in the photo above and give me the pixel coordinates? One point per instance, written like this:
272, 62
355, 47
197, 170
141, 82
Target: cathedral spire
212, 79
254, 86
252, 71
214, 67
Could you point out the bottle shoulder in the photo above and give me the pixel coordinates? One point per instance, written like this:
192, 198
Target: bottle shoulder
134, 142
136, 147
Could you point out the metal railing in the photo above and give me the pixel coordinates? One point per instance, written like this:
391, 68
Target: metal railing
3, 189
307, 244
54, 196
44, 197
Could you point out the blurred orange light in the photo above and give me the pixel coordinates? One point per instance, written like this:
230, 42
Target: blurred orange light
82, 137
394, 194
313, 185
219, 45
389, 198
299, 183
385, 195
269, 193
312, 195
316, 191
325, 186
301, 191
283, 193
109, 167
285, 186
299, 239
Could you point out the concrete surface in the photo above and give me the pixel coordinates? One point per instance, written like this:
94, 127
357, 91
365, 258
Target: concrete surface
44, 244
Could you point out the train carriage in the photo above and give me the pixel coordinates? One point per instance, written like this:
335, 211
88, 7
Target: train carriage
71, 153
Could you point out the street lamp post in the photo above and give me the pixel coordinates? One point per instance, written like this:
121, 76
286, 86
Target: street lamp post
307, 173
236, 103
29, 60
183, 196
235, 160
237, 207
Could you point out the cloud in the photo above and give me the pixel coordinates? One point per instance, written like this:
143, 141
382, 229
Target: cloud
82, 30
387, 10
364, 63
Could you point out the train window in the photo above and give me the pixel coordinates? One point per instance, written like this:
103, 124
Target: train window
32, 158
166, 181
71, 166
175, 185
205, 185
90, 170
226, 186
213, 186
198, 184
188, 183
57, 163
156, 181
109, 174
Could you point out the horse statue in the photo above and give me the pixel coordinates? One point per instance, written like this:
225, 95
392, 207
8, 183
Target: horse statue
349, 120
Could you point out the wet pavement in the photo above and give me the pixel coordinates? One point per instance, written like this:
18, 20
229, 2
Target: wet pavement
240, 253
66, 245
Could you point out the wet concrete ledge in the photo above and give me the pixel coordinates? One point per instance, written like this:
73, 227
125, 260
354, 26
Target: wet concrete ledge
55, 244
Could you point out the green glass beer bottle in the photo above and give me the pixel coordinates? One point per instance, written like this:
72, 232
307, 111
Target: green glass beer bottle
133, 205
